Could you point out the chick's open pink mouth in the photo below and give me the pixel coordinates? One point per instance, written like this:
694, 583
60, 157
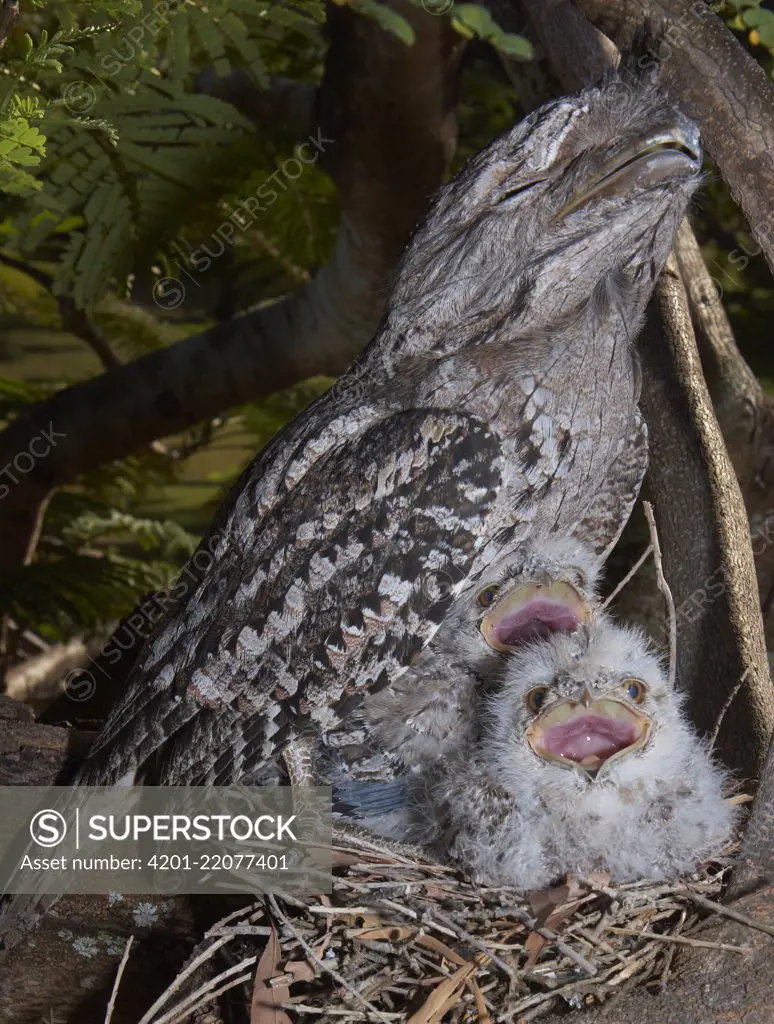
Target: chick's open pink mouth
572, 733
590, 737
534, 611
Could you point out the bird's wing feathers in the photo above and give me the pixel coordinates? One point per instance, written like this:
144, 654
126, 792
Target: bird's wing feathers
613, 503
325, 601
356, 800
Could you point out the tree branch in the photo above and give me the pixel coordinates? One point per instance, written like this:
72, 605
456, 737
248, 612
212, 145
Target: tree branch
705, 538
757, 851
737, 397
32, 754
388, 109
718, 84
74, 320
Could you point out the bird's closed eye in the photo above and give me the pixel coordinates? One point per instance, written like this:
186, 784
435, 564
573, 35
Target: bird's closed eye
536, 698
636, 690
517, 190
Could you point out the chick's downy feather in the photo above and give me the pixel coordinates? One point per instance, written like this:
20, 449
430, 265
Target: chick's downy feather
512, 817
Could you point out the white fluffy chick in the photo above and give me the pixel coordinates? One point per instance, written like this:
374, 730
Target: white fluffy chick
583, 762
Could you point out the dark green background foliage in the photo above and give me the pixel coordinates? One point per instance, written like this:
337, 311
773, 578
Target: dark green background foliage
113, 166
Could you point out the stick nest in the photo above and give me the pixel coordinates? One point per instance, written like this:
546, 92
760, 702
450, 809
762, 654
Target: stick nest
403, 939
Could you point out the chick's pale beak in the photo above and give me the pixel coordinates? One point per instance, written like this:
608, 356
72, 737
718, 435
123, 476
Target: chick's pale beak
534, 610
587, 736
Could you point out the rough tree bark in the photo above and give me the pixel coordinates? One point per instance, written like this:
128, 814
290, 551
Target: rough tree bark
389, 110
757, 853
745, 413
737, 396
718, 84
571, 53
705, 540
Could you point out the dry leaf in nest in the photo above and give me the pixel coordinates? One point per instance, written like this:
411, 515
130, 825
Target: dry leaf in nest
299, 970
551, 907
447, 994
266, 1005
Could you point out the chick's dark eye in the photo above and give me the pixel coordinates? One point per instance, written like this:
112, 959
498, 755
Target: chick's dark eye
487, 596
536, 698
635, 690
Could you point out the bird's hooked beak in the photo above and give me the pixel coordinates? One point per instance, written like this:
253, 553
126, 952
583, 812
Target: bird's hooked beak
532, 611
588, 733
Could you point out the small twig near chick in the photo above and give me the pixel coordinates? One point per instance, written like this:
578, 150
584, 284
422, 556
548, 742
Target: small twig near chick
666, 593
728, 702
629, 576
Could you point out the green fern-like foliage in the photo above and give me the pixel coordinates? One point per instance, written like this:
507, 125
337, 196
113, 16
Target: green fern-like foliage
92, 567
125, 148
22, 146
95, 558
125, 156
73, 592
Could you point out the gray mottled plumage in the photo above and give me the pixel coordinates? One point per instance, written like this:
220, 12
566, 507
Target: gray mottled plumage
511, 816
496, 404
420, 718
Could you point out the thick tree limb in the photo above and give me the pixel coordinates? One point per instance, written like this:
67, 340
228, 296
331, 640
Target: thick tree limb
757, 852
286, 105
745, 413
388, 110
737, 397
571, 52
718, 84
32, 754
705, 538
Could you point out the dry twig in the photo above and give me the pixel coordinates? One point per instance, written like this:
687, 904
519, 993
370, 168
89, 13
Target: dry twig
117, 982
666, 593
729, 701
724, 911
629, 576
